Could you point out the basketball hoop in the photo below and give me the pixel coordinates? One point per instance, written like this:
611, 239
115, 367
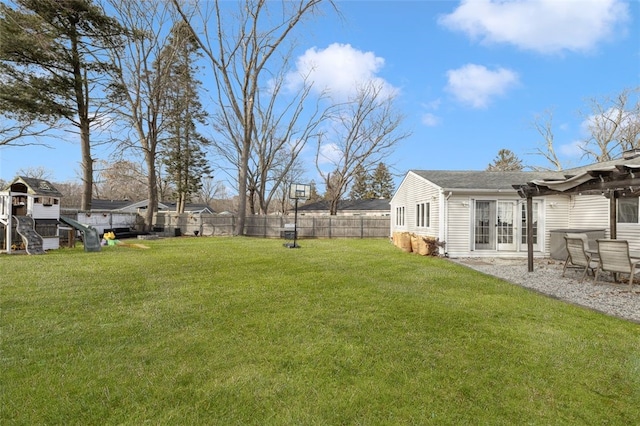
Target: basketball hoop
297, 192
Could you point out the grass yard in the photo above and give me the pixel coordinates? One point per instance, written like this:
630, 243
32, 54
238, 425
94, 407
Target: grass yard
242, 331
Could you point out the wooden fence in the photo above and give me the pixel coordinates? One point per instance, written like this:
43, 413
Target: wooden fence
172, 224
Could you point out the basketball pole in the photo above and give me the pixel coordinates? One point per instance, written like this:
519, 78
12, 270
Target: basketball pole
295, 225
297, 191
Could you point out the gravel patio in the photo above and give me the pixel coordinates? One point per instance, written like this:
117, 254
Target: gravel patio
607, 296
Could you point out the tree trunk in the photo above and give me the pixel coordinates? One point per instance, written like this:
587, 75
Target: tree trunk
333, 207
82, 102
242, 199
244, 167
152, 207
87, 166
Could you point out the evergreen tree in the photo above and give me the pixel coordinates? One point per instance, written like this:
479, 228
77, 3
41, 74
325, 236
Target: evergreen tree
314, 197
50, 66
361, 188
367, 186
183, 155
505, 161
382, 185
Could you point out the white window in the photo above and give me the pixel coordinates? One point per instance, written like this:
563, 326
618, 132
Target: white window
400, 216
422, 215
628, 210
46, 201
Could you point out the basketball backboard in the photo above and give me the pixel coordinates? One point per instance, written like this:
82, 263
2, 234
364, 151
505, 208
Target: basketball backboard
299, 191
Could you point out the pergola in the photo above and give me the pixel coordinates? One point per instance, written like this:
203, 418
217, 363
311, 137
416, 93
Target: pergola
610, 181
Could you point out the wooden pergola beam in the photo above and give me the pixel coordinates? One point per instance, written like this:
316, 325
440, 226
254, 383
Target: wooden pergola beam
612, 184
625, 187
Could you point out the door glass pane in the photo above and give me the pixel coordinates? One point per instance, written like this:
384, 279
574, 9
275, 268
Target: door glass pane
505, 223
482, 229
535, 223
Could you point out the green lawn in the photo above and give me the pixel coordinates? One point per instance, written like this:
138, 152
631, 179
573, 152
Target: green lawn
245, 331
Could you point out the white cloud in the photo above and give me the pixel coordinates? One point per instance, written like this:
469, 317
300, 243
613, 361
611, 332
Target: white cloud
475, 85
330, 153
547, 26
430, 120
339, 68
572, 150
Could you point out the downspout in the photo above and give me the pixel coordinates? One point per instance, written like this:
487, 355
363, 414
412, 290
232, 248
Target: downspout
443, 234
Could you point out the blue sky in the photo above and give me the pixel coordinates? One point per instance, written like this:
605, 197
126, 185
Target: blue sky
471, 75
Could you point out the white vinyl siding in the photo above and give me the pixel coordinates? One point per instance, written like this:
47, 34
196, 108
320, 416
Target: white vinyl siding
631, 233
458, 226
589, 212
556, 214
48, 211
412, 191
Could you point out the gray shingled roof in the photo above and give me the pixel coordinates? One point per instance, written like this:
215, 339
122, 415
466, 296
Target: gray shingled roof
343, 205
37, 186
108, 205
114, 205
482, 179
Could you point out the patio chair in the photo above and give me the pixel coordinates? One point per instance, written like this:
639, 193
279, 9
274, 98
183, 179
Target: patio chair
615, 258
577, 257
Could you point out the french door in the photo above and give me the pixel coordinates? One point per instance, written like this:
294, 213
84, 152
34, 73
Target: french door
494, 225
505, 228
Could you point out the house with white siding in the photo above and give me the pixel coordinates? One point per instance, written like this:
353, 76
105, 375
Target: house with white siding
475, 213
481, 214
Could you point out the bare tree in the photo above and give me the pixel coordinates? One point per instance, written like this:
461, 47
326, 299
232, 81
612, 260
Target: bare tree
120, 180
293, 174
211, 190
363, 132
613, 124
543, 124
142, 83
241, 51
164, 186
71, 194
24, 132
36, 173
280, 134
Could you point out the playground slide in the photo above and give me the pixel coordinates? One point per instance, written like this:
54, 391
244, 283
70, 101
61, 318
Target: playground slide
90, 235
32, 240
